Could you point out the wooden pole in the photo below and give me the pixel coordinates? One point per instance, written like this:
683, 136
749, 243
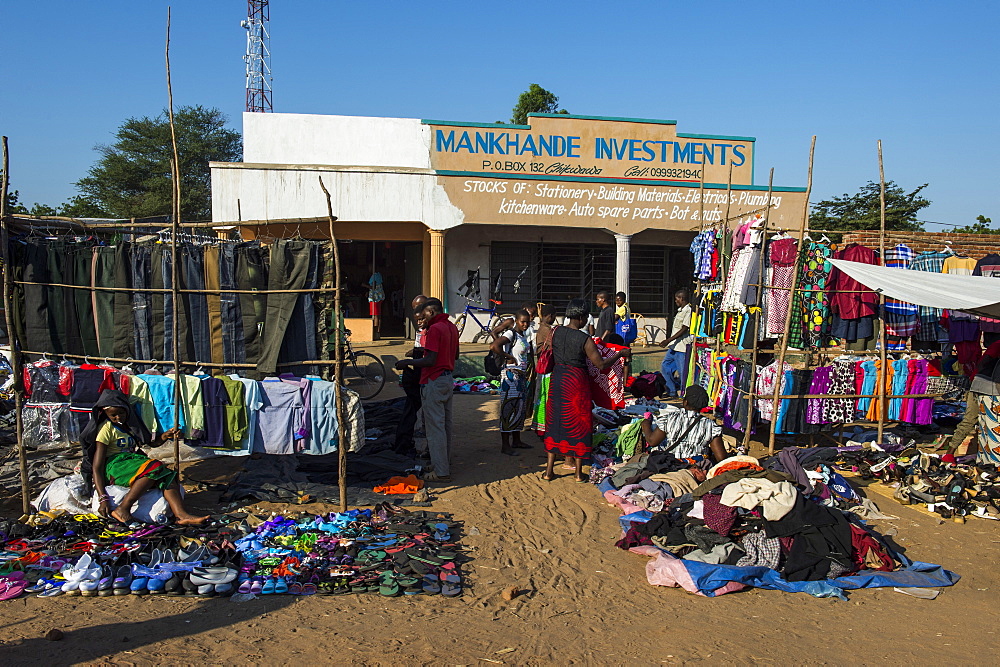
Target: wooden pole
15, 356
338, 368
756, 324
788, 314
882, 340
725, 257
175, 216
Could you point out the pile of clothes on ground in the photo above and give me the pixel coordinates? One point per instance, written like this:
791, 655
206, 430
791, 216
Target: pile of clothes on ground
387, 551
788, 522
477, 385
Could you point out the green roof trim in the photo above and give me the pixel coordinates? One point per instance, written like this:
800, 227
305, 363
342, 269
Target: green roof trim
612, 118
686, 135
462, 123
601, 179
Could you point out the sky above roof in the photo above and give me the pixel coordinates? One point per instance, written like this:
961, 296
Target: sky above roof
918, 75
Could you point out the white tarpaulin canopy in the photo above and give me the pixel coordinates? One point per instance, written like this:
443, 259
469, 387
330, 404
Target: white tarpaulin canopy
978, 295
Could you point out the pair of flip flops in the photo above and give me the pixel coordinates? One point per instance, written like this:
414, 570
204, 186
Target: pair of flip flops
12, 585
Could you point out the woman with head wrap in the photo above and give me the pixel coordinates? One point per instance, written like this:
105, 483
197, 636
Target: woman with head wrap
568, 425
684, 431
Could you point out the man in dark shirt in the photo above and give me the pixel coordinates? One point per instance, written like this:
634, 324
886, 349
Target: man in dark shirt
440, 346
606, 320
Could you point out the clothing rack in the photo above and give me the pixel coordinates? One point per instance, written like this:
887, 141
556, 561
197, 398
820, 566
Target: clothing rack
167, 228
884, 393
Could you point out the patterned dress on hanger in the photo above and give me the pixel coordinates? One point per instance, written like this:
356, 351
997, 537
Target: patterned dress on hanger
841, 410
782, 255
810, 309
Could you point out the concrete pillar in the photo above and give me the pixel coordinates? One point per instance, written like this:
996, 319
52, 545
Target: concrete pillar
437, 264
425, 282
622, 248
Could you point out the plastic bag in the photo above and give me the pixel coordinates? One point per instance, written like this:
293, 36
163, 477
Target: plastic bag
49, 426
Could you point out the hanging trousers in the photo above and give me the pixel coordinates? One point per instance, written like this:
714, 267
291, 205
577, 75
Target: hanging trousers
141, 302
289, 269
124, 345
104, 302
299, 341
251, 274
214, 301
81, 259
233, 350
193, 278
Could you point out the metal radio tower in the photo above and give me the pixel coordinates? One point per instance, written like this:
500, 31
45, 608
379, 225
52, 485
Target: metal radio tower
258, 57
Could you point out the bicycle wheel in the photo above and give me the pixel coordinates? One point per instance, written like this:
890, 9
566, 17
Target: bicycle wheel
365, 374
460, 323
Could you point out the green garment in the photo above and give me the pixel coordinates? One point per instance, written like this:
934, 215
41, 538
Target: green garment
237, 420
629, 439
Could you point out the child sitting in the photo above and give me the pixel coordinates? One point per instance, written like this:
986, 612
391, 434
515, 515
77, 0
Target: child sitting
111, 455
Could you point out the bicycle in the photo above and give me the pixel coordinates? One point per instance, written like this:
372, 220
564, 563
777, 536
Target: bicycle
472, 294
363, 372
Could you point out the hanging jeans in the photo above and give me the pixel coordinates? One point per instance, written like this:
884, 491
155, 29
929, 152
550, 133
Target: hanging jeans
193, 277
141, 303
251, 274
214, 301
674, 362
233, 350
290, 265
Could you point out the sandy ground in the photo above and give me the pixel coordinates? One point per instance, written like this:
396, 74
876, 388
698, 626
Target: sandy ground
583, 602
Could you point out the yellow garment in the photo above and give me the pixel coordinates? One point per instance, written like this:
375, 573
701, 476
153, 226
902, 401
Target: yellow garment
115, 440
622, 312
140, 398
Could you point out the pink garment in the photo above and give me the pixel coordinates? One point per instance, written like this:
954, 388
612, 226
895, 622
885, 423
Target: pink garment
666, 570
625, 506
782, 256
607, 387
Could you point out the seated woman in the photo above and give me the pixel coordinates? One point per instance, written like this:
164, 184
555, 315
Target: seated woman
111, 454
685, 432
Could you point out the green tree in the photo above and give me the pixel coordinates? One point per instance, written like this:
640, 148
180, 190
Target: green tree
534, 100
862, 210
982, 225
132, 179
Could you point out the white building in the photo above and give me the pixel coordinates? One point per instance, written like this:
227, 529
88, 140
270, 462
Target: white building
576, 203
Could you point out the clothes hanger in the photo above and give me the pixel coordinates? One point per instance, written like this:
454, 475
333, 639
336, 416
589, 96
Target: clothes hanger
127, 368
198, 370
947, 248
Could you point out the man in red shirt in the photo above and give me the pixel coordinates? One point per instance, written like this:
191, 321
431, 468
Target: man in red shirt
437, 386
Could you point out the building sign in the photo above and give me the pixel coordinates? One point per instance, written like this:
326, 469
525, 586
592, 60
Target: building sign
589, 148
626, 208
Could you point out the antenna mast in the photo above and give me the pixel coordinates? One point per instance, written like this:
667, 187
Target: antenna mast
258, 57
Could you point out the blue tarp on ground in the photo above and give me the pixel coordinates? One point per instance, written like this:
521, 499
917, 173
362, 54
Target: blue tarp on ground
709, 578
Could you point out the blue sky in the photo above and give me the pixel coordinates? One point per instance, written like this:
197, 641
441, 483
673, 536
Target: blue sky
919, 75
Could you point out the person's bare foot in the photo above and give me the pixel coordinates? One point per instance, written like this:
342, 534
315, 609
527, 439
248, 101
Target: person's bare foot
121, 515
189, 520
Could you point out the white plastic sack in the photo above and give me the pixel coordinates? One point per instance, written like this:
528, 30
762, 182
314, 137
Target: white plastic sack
150, 508
63, 493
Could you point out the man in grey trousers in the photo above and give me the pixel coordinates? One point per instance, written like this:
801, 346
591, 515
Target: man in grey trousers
437, 386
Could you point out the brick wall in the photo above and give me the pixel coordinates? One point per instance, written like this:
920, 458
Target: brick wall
976, 246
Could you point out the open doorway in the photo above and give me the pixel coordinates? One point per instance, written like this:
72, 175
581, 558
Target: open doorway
399, 263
